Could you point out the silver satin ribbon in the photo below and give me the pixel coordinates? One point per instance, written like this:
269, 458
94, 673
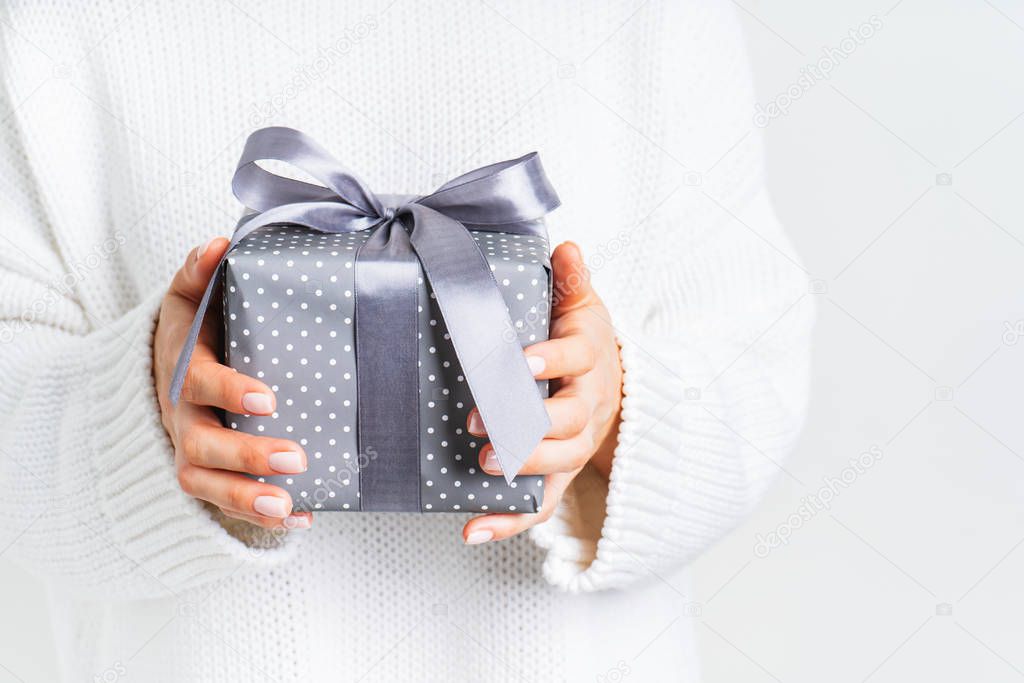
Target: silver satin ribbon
508, 197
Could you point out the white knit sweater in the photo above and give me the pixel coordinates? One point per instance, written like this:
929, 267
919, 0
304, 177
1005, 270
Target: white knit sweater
120, 123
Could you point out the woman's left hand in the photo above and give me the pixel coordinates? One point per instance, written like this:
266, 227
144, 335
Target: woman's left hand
581, 357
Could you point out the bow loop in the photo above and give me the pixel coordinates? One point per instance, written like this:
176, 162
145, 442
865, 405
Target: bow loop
505, 193
261, 190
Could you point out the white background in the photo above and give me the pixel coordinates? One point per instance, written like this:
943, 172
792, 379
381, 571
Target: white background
914, 573
920, 278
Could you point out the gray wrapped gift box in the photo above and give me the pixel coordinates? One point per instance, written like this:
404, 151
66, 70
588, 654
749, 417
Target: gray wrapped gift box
288, 320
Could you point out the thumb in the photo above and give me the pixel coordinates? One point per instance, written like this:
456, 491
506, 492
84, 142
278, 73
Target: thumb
571, 277
192, 278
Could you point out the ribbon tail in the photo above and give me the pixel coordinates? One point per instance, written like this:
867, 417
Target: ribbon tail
484, 337
185, 357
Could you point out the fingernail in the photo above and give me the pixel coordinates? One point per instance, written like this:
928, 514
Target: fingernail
476, 424
271, 506
296, 522
491, 463
257, 404
536, 364
287, 462
202, 249
479, 536
576, 247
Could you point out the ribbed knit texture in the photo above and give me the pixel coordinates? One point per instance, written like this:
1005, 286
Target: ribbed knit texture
120, 123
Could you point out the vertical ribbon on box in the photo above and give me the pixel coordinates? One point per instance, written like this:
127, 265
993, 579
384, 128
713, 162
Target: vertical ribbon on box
386, 353
509, 197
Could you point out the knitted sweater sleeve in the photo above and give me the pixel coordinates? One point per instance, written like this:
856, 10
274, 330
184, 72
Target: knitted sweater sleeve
714, 338
88, 491
709, 414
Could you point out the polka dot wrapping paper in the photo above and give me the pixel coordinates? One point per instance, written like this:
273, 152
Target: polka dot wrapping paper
289, 320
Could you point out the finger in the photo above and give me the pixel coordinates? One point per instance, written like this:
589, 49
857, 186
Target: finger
570, 356
571, 279
497, 527
549, 457
208, 383
214, 447
569, 416
235, 492
296, 520
191, 279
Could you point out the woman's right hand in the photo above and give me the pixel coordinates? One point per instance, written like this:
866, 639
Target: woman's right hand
209, 457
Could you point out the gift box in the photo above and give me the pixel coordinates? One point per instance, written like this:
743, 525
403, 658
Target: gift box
381, 321
289, 320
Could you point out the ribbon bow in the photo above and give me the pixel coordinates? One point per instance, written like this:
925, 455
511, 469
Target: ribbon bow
508, 197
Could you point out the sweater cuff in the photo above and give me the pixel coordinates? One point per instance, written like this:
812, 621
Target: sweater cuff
173, 537
674, 487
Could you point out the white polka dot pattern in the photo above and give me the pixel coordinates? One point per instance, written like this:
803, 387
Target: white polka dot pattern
288, 320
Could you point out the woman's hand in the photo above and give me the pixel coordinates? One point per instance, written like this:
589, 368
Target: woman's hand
209, 457
582, 358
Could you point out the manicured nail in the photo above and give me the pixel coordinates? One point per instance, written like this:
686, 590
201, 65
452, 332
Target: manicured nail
202, 249
296, 522
476, 424
479, 536
491, 465
257, 404
579, 252
536, 364
271, 506
287, 462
